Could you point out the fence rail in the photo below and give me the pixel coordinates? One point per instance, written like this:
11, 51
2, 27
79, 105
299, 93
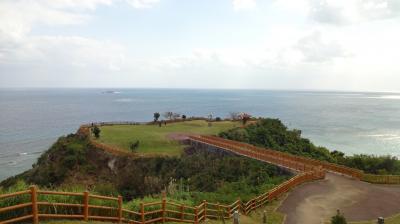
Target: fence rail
162, 211
297, 163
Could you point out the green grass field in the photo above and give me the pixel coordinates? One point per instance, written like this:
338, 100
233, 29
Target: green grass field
154, 139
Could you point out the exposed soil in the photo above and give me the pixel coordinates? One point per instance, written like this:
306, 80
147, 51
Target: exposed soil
178, 136
316, 202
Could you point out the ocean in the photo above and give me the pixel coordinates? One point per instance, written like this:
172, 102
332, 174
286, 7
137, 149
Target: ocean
352, 122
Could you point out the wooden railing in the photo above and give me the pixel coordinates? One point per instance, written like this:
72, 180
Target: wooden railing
286, 160
381, 179
290, 161
162, 211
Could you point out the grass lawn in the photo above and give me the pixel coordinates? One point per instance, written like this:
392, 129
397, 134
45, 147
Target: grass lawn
154, 139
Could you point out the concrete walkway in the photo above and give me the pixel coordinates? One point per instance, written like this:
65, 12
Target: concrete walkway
316, 202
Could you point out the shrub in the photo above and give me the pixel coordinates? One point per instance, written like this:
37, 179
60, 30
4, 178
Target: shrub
96, 131
338, 219
134, 146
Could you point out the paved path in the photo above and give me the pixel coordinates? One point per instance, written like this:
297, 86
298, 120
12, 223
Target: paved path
315, 202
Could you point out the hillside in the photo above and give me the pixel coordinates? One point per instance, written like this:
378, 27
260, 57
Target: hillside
73, 161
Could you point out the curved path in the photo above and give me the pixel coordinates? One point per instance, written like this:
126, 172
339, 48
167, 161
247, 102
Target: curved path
316, 202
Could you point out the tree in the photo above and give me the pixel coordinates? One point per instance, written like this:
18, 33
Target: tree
184, 117
244, 117
168, 115
156, 116
96, 131
338, 219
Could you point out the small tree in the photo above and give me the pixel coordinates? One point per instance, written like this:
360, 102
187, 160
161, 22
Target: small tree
168, 115
338, 219
134, 146
156, 116
244, 117
183, 117
96, 131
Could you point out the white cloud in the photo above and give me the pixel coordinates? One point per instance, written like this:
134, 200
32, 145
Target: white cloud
243, 4
143, 4
19, 47
315, 49
341, 12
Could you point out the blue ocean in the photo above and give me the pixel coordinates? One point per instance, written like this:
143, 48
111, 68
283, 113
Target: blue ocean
353, 122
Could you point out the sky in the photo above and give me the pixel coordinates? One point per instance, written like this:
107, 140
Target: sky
350, 45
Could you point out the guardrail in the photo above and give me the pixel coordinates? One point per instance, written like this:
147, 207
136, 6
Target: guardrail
162, 211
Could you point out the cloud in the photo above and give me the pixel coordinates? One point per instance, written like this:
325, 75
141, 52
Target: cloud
342, 12
143, 4
315, 49
243, 4
18, 47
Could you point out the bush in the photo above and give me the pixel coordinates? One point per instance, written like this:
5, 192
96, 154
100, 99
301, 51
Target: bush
134, 146
96, 131
338, 219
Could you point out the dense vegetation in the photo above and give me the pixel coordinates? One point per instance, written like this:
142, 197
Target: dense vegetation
194, 176
272, 133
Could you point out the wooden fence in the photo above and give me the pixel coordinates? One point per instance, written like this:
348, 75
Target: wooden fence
290, 161
297, 163
162, 211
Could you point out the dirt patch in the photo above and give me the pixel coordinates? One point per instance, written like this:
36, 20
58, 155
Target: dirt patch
178, 136
316, 202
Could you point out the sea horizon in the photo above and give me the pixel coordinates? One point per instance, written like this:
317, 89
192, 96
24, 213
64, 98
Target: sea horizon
352, 122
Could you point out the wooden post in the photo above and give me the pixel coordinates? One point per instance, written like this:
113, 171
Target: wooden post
119, 208
221, 213
205, 209
236, 217
182, 211
142, 212
86, 206
163, 202
240, 206
196, 218
35, 215
264, 221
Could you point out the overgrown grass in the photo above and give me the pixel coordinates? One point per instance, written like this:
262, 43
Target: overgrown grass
44, 209
154, 139
273, 216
